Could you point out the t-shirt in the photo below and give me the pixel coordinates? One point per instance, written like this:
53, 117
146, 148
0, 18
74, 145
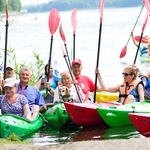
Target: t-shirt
15, 108
86, 84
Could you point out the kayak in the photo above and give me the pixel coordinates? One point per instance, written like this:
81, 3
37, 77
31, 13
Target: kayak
56, 115
144, 59
85, 114
118, 115
12, 124
141, 121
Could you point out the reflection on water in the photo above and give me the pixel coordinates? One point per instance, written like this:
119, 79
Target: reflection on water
51, 136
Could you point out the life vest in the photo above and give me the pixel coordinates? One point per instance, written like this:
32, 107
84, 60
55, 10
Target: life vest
129, 89
147, 86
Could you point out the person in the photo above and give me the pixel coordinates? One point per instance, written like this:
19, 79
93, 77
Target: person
33, 95
42, 81
144, 48
131, 89
10, 71
86, 84
13, 103
73, 94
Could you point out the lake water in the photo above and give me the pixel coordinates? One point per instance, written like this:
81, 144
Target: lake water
31, 32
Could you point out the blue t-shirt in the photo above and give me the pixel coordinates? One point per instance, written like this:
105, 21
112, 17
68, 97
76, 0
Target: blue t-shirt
15, 108
32, 94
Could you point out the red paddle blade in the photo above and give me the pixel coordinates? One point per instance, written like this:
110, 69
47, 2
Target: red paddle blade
101, 10
147, 5
61, 32
7, 10
144, 40
53, 21
123, 52
74, 19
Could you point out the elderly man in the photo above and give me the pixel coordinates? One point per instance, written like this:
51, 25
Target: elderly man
86, 84
33, 95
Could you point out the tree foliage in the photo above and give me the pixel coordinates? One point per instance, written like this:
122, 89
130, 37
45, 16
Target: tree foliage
13, 5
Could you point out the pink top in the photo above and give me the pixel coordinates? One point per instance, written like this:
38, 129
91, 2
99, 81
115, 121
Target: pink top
86, 85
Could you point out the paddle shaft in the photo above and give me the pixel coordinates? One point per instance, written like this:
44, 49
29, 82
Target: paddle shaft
138, 48
135, 24
74, 35
68, 65
97, 63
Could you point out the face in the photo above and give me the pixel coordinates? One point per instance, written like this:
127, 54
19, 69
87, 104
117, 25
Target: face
9, 91
25, 76
76, 68
9, 72
128, 77
51, 70
66, 80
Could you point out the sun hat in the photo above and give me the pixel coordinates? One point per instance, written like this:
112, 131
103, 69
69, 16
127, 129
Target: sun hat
10, 66
76, 61
10, 82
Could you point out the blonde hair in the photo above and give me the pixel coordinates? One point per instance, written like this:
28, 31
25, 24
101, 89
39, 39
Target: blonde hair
64, 74
134, 70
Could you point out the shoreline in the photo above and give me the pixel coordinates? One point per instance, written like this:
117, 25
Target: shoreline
116, 144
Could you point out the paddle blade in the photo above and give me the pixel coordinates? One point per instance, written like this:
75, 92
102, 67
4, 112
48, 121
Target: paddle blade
61, 32
147, 5
7, 10
123, 52
53, 21
74, 19
144, 40
101, 10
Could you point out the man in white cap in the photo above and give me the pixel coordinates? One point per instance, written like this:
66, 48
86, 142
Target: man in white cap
10, 71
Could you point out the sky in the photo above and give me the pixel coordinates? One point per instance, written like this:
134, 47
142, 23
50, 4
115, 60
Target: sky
28, 2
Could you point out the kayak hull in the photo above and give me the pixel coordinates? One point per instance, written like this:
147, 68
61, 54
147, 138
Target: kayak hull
118, 115
144, 59
141, 121
11, 124
56, 115
85, 114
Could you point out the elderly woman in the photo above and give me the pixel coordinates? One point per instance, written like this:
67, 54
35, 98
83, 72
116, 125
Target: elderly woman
13, 103
131, 89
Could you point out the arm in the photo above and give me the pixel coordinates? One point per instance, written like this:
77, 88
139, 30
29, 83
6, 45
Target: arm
102, 84
38, 83
133, 39
141, 92
27, 112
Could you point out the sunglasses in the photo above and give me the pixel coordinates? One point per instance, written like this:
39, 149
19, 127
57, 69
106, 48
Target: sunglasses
126, 74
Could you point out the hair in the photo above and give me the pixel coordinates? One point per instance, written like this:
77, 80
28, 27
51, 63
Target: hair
134, 70
25, 69
46, 68
65, 73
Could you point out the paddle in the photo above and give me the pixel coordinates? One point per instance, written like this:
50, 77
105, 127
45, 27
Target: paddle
99, 41
6, 39
70, 71
147, 5
74, 25
53, 23
62, 35
124, 50
143, 27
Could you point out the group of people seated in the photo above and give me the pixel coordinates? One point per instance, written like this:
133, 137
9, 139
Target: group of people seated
21, 99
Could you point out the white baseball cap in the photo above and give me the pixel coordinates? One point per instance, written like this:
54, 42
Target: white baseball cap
10, 82
10, 66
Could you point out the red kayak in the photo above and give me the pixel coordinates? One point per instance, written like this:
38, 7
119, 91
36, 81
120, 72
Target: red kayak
85, 114
145, 39
141, 121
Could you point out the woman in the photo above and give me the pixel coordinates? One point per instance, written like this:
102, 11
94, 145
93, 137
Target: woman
66, 81
131, 90
42, 82
13, 103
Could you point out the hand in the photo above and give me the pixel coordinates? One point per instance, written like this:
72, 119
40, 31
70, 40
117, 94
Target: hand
47, 85
97, 71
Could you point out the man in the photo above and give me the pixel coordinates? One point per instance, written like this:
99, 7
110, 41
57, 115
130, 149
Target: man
10, 71
86, 84
33, 95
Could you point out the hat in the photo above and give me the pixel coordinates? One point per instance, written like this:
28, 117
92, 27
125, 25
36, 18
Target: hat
76, 61
9, 82
10, 66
